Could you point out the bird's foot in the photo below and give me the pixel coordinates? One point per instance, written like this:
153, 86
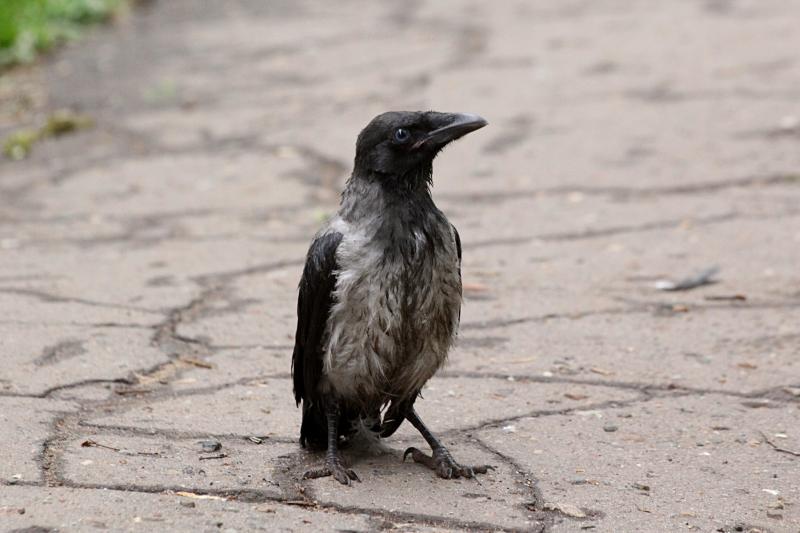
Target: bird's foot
444, 465
333, 467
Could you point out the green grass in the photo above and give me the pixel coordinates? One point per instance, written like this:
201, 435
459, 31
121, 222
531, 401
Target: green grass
28, 27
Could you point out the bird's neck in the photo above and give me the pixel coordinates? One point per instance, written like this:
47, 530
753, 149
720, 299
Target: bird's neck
369, 195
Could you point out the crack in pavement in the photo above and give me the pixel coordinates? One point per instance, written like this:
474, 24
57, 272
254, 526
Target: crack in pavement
540, 413
47, 297
51, 459
646, 392
626, 193
166, 337
267, 496
569, 236
98, 325
464, 46
661, 309
776, 392
526, 479
176, 434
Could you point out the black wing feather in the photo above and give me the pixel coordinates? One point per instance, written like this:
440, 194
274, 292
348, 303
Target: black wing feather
458, 247
313, 307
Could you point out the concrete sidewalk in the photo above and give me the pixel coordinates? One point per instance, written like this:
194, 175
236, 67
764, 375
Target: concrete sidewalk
149, 267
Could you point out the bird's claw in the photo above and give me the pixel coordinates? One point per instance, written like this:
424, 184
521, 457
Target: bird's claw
444, 465
335, 469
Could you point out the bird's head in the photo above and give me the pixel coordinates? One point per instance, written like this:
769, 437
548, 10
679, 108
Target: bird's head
398, 147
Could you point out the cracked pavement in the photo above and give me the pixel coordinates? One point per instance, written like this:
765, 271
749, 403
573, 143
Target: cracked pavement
149, 266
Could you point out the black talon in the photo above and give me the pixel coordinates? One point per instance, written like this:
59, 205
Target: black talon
334, 466
440, 460
408, 452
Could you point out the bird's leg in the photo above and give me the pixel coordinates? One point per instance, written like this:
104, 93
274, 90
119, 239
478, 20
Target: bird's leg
333, 461
440, 461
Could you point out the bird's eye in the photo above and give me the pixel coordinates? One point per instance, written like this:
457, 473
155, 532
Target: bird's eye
402, 135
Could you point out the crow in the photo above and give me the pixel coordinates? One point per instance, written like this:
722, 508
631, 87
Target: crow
379, 300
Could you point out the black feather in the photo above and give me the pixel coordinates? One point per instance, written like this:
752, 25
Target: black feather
458, 247
313, 307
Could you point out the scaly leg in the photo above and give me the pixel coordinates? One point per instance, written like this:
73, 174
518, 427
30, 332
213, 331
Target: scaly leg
440, 461
333, 462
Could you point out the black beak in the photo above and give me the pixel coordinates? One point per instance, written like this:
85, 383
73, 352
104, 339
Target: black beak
453, 126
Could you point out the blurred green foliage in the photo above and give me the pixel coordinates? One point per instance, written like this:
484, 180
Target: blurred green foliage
28, 27
19, 144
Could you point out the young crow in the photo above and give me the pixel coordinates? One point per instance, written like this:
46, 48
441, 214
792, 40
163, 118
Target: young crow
380, 296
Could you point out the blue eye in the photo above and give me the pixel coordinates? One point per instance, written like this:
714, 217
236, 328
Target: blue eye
402, 135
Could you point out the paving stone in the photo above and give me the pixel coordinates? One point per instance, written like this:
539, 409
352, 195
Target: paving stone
628, 142
689, 347
33, 306
265, 406
165, 462
27, 424
40, 358
69, 509
227, 366
261, 407
258, 310
501, 401
698, 462
496, 498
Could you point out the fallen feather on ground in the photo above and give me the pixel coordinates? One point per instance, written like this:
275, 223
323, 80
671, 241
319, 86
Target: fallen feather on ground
691, 282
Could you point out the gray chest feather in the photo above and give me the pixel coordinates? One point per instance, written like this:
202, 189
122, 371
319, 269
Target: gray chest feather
396, 310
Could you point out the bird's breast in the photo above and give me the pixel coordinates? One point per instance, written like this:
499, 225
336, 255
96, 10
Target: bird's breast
395, 313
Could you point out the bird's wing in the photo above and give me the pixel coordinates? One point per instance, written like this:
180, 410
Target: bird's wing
458, 250
458, 247
313, 307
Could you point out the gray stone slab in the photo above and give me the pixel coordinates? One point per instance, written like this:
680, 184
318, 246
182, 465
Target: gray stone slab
259, 310
628, 141
460, 403
27, 423
739, 350
496, 499
264, 407
243, 365
670, 463
68, 509
41, 358
170, 463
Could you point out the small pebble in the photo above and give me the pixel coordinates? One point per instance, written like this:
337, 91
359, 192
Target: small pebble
210, 445
610, 428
